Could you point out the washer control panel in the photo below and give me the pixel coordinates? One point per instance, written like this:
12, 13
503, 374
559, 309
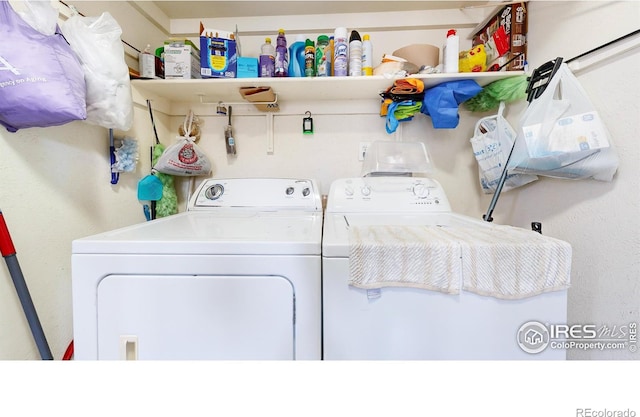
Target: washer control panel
262, 194
387, 194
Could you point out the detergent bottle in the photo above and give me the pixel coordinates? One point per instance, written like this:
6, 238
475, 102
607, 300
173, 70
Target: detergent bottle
450, 52
282, 55
296, 55
267, 59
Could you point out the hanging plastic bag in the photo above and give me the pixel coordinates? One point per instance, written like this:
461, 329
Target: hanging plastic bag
184, 158
97, 42
40, 15
41, 81
561, 134
492, 141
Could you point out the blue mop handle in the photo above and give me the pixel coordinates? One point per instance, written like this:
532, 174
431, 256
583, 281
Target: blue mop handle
9, 253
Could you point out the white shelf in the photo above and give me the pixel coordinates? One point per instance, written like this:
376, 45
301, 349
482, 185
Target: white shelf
295, 89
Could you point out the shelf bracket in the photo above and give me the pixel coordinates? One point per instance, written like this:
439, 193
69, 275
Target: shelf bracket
270, 133
235, 103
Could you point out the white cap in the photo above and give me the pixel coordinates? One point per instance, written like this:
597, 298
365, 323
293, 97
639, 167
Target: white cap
340, 32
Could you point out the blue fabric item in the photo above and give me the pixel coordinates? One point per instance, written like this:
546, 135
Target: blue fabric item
442, 101
392, 122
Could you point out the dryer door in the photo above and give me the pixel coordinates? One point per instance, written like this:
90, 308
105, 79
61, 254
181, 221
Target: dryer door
195, 317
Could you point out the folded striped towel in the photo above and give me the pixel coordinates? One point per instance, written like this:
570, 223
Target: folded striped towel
404, 256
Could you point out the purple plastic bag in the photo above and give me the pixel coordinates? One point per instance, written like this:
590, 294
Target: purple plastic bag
41, 81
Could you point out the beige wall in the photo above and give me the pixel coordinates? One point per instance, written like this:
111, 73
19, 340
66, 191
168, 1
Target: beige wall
56, 180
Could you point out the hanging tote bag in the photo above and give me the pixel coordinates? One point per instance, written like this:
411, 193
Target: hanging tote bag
41, 81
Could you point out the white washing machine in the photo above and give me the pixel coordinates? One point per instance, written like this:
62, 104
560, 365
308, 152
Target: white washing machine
235, 277
408, 323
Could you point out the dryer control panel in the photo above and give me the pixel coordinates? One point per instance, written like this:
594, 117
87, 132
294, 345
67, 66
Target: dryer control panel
387, 194
258, 194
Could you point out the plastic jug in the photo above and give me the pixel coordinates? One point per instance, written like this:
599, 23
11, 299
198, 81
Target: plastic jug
296, 55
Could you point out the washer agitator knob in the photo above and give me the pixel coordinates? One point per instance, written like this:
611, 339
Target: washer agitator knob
420, 191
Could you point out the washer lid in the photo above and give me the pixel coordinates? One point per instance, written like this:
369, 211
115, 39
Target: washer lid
199, 232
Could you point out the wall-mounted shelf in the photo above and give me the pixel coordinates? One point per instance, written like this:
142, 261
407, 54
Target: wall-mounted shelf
295, 89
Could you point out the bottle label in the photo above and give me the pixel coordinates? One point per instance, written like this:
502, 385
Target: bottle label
341, 60
321, 61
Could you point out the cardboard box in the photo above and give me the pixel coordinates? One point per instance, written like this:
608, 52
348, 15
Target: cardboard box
218, 54
506, 30
247, 67
263, 98
181, 60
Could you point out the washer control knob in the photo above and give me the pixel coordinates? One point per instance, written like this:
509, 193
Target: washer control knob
421, 191
214, 192
366, 191
289, 191
306, 191
348, 191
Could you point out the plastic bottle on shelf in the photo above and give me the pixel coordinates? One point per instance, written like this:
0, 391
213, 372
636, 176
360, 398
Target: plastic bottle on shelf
341, 52
267, 59
309, 58
355, 54
282, 55
329, 55
450, 52
367, 56
321, 56
296, 57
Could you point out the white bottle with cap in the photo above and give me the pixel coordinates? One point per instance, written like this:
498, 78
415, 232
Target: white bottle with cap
340, 53
367, 56
450, 52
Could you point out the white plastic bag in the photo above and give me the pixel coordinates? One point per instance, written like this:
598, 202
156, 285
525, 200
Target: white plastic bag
561, 134
185, 158
97, 43
40, 15
492, 141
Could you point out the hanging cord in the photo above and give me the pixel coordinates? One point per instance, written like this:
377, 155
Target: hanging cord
75, 10
596, 49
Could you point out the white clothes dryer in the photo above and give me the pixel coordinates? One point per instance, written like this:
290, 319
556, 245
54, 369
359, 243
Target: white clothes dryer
406, 323
235, 277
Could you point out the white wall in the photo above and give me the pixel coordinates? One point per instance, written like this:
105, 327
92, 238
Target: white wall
55, 188
56, 181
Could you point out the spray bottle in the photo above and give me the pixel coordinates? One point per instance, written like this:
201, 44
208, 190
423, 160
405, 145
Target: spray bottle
341, 52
